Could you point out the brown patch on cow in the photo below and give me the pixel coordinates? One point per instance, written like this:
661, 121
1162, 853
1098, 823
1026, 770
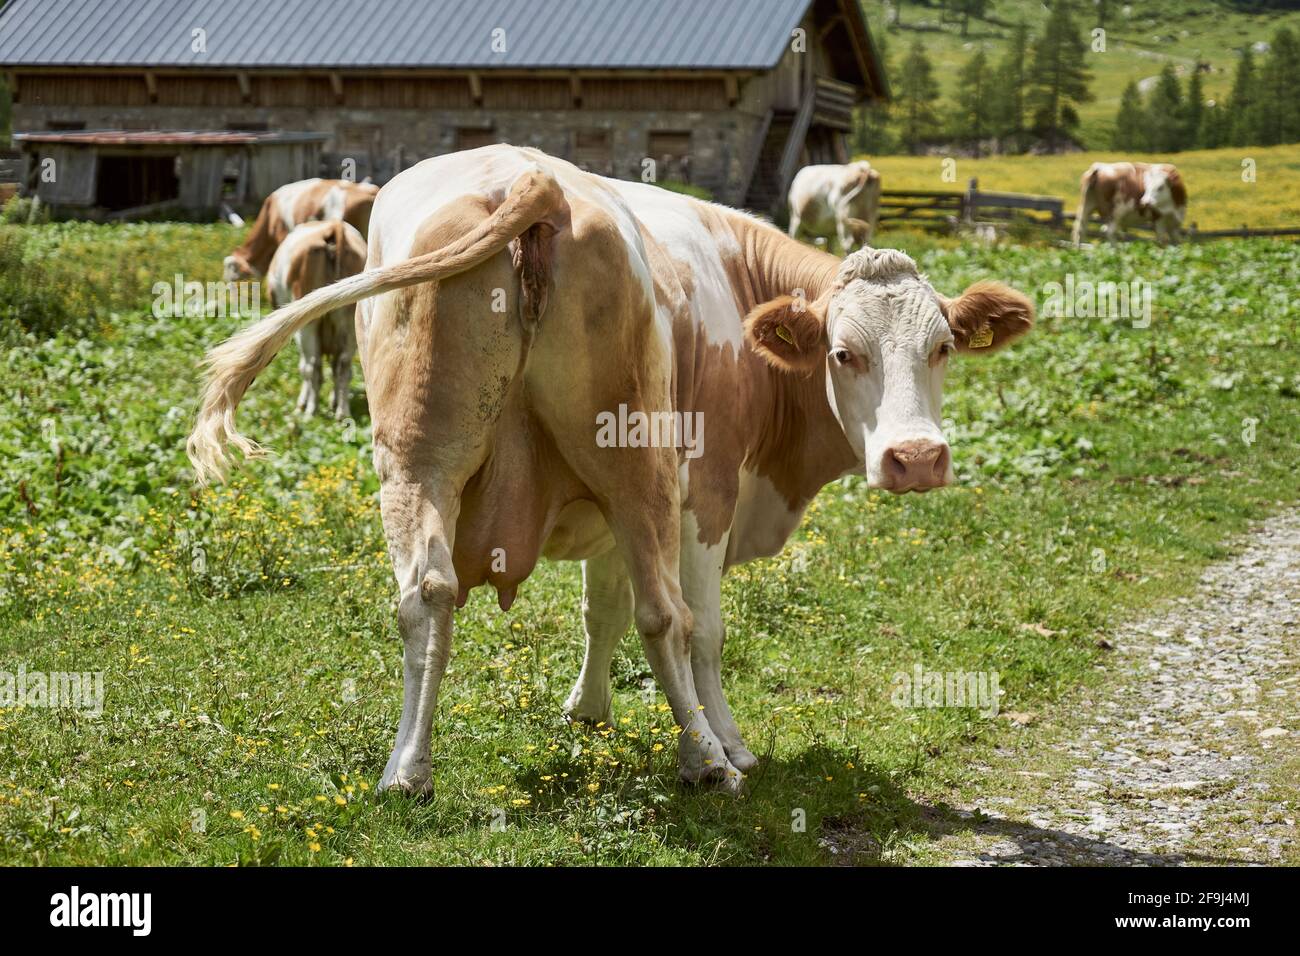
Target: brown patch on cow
1177, 188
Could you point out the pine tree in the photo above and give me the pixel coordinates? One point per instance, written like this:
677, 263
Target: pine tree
1007, 98
1164, 112
1241, 102
1058, 77
1216, 126
972, 118
1276, 113
1131, 123
871, 123
1193, 112
1103, 8
918, 91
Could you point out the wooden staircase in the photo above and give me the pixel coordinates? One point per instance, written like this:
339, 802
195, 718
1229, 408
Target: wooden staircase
766, 191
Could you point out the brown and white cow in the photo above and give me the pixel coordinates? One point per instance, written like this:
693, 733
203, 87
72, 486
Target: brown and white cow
312, 256
840, 201
291, 205
1124, 193
626, 304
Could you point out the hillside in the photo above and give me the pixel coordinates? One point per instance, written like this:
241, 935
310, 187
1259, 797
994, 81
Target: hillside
1137, 43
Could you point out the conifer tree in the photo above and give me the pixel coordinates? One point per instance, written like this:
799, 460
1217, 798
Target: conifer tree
1058, 78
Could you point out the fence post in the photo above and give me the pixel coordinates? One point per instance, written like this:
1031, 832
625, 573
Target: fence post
968, 201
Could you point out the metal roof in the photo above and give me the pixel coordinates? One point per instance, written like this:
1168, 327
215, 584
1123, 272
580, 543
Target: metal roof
178, 137
446, 34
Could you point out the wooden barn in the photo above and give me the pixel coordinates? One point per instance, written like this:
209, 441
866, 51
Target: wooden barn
730, 96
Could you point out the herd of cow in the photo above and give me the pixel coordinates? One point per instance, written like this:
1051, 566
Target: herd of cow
506, 301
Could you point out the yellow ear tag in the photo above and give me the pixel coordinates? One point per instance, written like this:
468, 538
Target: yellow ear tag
981, 339
784, 335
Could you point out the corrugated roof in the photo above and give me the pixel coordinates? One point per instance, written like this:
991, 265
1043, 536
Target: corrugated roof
350, 34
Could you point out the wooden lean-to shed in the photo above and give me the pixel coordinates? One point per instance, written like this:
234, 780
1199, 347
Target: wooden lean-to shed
728, 96
125, 173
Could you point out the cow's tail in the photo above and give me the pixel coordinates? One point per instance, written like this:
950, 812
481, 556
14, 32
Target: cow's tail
233, 365
1086, 184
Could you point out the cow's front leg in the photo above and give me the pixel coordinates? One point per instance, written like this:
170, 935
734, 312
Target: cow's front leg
419, 522
649, 540
702, 570
607, 606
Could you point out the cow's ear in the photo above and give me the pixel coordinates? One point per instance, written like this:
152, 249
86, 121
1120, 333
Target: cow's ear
789, 332
987, 316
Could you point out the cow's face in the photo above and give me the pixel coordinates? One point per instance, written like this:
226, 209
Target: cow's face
885, 337
1157, 194
235, 268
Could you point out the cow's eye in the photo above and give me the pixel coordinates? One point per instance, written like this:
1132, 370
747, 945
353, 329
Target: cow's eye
941, 352
843, 356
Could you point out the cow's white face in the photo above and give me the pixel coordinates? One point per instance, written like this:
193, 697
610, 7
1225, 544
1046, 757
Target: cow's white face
886, 337
1157, 195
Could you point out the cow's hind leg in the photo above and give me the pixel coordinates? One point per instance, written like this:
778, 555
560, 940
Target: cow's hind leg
419, 521
344, 350
607, 606
309, 367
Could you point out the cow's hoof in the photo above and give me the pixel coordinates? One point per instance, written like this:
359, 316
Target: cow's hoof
701, 761
741, 758
410, 777
725, 778
579, 710
412, 786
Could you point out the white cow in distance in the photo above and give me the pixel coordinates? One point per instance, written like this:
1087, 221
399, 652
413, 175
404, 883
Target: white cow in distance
843, 201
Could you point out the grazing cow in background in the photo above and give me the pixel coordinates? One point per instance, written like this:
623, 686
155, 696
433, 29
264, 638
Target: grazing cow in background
748, 368
311, 257
1123, 193
843, 201
291, 205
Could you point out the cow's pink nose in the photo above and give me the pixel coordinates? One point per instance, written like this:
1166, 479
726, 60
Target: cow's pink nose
917, 465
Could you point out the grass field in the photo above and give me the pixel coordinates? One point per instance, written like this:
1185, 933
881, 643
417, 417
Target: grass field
1218, 197
247, 634
1137, 45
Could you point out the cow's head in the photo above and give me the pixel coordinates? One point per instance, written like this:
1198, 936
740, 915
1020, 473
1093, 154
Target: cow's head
885, 337
1161, 188
236, 268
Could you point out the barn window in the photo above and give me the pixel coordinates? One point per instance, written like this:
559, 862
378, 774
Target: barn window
472, 137
671, 151
249, 126
593, 150
66, 126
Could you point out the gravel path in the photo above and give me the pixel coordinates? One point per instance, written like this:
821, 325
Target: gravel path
1188, 753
